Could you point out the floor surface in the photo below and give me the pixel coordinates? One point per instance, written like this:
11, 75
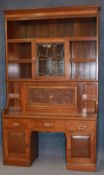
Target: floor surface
47, 165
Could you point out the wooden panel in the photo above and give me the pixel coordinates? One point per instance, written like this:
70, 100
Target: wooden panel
80, 146
85, 27
90, 97
18, 71
20, 147
83, 71
83, 49
90, 106
34, 146
49, 13
19, 51
14, 105
14, 90
90, 89
49, 99
15, 139
82, 167
81, 125
16, 123
48, 125
50, 95
12, 141
51, 28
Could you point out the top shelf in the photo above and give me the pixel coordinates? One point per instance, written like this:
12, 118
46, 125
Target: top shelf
52, 28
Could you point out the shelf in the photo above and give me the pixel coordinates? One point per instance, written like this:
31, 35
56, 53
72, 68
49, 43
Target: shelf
52, 80
89, 38
79, 60
90, 99
29, 40
83, 80
23, 40
19, 79
20, 61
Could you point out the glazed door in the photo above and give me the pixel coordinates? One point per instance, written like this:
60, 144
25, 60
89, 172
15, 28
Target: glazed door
52, 59
81, 147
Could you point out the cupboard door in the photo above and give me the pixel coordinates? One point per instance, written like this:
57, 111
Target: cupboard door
15, 143
81, 147
50, 59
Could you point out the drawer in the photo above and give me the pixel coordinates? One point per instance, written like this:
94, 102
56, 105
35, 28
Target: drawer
15, 123
48, 125
81, 125
90, 89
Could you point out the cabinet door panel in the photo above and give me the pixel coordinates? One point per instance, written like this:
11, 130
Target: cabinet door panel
81, 147
15, 143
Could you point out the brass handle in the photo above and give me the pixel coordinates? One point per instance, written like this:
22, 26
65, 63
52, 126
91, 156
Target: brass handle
50, 97
81, 127
48, 125
84, 96
69, 148
16, 124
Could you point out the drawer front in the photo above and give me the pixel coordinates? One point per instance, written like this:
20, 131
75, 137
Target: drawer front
90, 89
16, 123
48, 125
81, 125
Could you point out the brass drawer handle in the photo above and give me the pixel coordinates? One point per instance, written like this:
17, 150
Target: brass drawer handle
16, 124
48, 125
81, 127
50, 97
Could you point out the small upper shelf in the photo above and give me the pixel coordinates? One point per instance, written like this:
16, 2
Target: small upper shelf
20, 61
82, 60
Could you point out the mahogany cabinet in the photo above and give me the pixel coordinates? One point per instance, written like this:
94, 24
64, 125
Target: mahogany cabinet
52, 82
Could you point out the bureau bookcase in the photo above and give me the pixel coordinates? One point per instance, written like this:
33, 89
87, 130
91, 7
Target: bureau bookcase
52, 83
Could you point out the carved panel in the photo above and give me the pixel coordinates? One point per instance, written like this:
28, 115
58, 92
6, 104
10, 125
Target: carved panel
52, 95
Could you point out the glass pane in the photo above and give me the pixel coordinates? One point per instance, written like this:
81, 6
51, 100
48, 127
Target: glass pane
50, 59
80, 146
